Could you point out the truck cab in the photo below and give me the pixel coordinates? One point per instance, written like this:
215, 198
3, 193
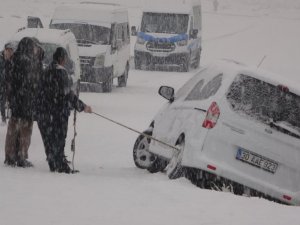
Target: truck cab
102, 34
169, 35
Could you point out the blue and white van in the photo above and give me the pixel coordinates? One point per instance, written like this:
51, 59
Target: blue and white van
169, 35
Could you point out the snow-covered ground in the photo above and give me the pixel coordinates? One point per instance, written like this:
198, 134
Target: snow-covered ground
109, 189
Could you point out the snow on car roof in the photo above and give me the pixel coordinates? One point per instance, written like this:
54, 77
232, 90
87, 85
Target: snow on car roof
232, 68
179, 7
44, 35
91, 13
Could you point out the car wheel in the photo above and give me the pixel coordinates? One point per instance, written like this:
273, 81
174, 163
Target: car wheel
186, 64
122, 80
144, 159
107, 85
137, 63
174, 168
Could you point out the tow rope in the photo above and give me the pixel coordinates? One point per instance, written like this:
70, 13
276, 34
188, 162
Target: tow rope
136, 131
75, 132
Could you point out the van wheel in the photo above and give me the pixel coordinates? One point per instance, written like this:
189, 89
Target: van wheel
174, 168
137, 63
197, 59
107, 85
122, 80
186, 64
144, 159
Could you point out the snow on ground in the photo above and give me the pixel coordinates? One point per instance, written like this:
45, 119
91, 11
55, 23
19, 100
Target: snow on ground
109, 189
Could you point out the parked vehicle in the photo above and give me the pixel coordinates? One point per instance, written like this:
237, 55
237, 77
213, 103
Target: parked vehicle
169, 36
51, 39
102, 33
233, 126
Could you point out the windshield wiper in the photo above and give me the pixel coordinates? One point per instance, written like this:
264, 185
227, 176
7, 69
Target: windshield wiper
282, 129
85, 41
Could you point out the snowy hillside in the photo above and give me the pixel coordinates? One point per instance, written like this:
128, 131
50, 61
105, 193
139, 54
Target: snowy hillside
109, 189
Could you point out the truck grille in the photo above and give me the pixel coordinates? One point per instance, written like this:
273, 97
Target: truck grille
85, 60
160, 46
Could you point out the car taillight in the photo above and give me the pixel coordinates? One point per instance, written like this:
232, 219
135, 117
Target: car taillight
212, 116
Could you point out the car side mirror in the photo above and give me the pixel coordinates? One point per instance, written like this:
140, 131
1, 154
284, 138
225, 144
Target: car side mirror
167, 92
133, 31
194, 33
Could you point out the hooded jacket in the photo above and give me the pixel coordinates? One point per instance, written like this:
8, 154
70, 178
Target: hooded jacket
26, 73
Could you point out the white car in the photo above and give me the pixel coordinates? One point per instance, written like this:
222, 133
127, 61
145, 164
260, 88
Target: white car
233, 126
51, 39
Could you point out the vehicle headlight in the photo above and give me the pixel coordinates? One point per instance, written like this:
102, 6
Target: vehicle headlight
99, 61
182, 43
140, 41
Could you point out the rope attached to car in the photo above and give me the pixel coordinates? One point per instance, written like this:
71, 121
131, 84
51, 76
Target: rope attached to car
136, 131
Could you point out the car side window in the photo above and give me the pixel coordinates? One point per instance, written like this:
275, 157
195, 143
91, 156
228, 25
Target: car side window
195, 93
211, 87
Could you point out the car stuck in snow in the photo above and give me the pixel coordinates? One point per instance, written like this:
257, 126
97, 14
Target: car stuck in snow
233, 127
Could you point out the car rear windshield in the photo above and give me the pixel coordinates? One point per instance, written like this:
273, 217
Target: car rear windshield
265, 102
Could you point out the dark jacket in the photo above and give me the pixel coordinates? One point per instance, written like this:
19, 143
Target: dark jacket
25, 76
56, 98
2, 76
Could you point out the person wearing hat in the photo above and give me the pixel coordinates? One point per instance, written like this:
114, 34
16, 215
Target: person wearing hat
56, 99
25, 74
5, 64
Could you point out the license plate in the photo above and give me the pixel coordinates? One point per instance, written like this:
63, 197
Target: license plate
257, 160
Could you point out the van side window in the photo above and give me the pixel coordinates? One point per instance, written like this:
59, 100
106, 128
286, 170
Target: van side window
119, 32
211, 87
191, 24
197, 17
196, 91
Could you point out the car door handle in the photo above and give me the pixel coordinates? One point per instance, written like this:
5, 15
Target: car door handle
202, 110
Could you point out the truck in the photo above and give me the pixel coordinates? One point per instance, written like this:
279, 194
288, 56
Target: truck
169, 36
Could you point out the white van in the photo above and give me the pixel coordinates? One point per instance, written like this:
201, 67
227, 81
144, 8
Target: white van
103, 38
169, 35
51, 39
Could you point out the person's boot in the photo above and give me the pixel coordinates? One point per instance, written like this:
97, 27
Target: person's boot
24, 163
63, 166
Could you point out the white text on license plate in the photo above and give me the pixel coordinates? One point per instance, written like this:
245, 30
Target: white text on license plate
257, 160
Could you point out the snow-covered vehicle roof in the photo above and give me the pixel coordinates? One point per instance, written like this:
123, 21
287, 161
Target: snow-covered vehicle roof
92, 13
44, 35
181, 7
232, 68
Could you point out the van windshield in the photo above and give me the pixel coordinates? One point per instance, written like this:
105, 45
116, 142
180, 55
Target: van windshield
86, 33
165, 23
265, 102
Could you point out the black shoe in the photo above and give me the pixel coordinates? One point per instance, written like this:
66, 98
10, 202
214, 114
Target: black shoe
63, 166
24, 163
10, 162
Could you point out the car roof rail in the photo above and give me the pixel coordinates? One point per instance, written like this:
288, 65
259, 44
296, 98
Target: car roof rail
100, 3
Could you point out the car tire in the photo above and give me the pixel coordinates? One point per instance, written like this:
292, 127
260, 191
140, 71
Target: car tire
144, 159
107, 85
137, 63
186, 64
174, 168
122, 80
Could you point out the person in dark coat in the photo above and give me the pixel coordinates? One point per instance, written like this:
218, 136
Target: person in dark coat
55, 102
25, 75
5, 65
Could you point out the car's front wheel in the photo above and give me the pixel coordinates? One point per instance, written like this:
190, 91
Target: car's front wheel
144, 159
174, 168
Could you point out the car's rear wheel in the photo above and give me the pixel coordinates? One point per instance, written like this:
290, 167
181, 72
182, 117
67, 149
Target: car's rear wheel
107, 85
174, 168
122, 80
144, 159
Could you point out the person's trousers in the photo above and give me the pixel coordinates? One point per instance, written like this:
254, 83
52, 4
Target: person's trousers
18, 139
2, 109
54, 133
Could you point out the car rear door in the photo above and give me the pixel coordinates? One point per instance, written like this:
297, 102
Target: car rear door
257, 139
